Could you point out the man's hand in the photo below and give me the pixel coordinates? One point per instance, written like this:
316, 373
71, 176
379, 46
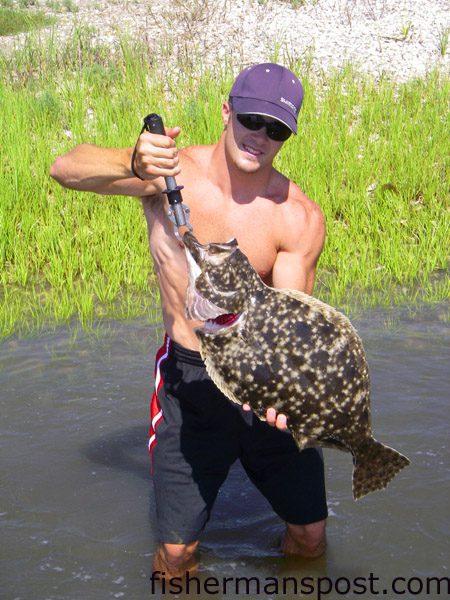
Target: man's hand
278, 421
157, 155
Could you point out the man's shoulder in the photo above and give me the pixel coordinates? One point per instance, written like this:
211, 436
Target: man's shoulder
299, 205
195, 156
303, 222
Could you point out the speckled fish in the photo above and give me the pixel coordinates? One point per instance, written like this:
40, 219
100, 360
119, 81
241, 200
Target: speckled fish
285, 349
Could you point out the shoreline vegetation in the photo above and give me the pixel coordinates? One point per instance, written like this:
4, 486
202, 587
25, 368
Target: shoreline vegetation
371, 152
13, 21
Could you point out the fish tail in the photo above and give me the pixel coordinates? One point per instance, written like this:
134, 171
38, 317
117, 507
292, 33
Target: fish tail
374, 466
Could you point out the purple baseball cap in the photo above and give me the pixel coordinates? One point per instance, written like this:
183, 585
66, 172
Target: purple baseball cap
268, 89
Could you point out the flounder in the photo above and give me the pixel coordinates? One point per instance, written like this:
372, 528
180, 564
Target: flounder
285, 349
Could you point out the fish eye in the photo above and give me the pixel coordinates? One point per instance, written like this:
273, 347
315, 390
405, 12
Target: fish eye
215, 249
225, 247
218, 254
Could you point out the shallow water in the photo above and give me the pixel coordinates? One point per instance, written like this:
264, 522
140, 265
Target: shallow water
77, 501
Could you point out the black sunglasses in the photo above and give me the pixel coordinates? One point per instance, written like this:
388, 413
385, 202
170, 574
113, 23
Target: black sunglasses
275, 130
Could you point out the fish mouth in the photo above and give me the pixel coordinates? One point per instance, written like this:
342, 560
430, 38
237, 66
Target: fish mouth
223, 323
216, 319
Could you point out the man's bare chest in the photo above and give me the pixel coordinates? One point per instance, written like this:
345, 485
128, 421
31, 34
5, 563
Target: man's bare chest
215, 219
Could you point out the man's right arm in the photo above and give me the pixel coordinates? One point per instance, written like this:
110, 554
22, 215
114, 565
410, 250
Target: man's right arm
108, 170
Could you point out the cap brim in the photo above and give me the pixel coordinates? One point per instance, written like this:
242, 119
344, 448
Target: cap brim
254, 106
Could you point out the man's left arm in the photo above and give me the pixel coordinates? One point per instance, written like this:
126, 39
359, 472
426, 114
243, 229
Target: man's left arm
300, 248
296, 262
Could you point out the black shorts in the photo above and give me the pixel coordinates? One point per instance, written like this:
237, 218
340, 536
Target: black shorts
196, 435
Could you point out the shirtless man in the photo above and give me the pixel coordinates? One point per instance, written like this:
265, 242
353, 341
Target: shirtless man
232, 190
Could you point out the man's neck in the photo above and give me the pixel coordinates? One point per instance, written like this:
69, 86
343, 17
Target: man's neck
233, 182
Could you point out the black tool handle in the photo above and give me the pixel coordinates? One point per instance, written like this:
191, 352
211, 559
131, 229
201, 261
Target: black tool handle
154, 124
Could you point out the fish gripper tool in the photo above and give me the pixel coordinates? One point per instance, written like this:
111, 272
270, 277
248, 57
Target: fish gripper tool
178, 212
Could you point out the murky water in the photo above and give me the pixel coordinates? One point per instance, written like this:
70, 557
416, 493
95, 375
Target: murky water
77, 500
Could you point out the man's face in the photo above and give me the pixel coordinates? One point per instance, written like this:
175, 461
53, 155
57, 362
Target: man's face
248, 150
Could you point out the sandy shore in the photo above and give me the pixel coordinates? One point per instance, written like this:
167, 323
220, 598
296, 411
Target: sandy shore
398, 38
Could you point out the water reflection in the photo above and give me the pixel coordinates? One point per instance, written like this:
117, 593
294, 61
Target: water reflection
77, 501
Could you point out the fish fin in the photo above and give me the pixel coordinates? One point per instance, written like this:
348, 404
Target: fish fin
374, 466
218, 380
335, 443
303, 441
329, 312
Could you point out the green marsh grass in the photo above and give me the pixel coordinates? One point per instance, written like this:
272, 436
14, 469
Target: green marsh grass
370, 153
14, 21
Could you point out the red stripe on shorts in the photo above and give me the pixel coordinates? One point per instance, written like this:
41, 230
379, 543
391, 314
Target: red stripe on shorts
156, 413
